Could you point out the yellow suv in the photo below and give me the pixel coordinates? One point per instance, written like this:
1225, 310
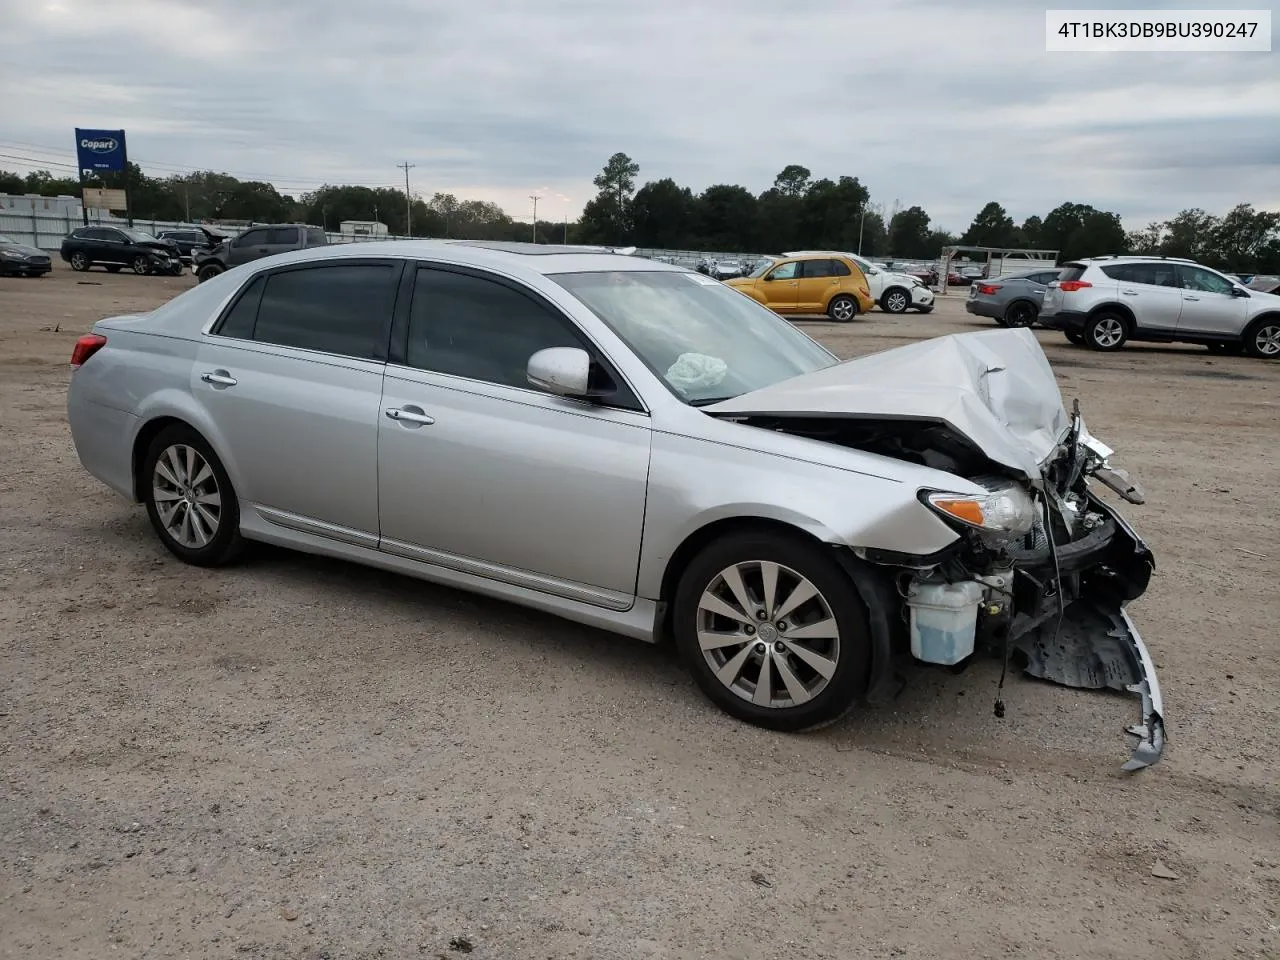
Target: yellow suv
825, 283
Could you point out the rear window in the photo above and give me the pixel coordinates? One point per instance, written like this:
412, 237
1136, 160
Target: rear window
1072, 271
316, 237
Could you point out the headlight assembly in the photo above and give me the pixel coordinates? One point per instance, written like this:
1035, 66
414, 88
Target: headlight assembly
1005, 512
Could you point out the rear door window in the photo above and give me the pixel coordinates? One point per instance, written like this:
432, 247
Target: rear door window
239, 320
813, 269
343, 309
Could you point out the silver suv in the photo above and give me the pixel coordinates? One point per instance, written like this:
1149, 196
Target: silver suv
1103, 302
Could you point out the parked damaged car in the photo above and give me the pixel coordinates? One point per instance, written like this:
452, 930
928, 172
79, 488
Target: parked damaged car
638, 447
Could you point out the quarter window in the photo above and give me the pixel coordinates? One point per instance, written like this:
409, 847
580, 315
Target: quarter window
341, 309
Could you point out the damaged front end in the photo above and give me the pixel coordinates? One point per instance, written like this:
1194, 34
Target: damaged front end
1043, 570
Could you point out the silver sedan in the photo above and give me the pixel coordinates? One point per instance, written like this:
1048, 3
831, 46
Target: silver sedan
634, 446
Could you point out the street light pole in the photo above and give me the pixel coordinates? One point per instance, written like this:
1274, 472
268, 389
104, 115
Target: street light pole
534, 198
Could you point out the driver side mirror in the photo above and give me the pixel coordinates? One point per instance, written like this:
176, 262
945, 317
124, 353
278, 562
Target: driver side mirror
564, 371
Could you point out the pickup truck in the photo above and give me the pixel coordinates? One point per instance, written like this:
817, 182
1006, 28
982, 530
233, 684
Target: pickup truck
253, 244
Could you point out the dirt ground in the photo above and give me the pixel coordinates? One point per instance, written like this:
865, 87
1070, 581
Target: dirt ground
302, 758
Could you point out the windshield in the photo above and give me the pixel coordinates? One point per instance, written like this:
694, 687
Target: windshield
762, 268
706, 341
138, 236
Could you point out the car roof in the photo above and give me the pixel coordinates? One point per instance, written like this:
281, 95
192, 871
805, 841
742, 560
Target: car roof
536, 258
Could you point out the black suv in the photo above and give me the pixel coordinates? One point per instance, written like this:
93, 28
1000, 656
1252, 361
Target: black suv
116, 248
253, 244
190, 239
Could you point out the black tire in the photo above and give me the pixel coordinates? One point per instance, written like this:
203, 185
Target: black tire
226, 543
1074, 336
140, 265
895, 300
847, 683
1020, 313
1226, 348
80, 261
1106, 331
209, 271
1262, 339
842, 308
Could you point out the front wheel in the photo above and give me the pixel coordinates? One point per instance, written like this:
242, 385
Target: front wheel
208, 272
773, 631
1263, 339
895, 300
140, 265
1105, 332
842, 309
190, 500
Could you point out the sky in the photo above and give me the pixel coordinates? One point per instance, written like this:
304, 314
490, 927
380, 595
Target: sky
930, 102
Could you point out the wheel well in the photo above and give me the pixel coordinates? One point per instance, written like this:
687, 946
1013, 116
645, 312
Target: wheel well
1120, 310
1260, 319
140, 444
694, 543
1017, 300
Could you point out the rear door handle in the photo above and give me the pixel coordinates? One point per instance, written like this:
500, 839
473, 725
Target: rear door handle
408, 415
219, 378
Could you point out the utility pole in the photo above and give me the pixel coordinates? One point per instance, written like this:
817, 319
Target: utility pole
186, 195
408, 199
566, 229
534, 198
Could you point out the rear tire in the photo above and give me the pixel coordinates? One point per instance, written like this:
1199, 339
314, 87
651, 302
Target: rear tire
209, 271
814, 656
190, 500
1075, 337
1020, 313
1262, 339
1105, 331
842, 309
1225, 348
79, 262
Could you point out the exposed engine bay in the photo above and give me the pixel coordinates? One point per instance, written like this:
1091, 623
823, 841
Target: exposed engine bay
1042, 569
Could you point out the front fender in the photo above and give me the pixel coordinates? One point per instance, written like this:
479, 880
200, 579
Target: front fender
696, 482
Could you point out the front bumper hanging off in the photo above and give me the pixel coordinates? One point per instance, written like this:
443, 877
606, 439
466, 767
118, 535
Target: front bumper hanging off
1095, 648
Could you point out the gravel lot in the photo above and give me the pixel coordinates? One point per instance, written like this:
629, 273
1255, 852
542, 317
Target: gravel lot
302, 758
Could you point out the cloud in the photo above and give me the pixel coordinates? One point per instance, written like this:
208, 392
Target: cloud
927, 102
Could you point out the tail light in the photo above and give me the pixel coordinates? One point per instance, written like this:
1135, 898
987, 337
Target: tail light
86, 347
987, 289
1071, 286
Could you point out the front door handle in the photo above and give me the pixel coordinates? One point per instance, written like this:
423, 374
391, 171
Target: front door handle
1191, 298
219, 378
408, 415
1129, 293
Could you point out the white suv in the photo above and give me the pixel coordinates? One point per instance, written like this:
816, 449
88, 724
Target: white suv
1103, 302
895, 292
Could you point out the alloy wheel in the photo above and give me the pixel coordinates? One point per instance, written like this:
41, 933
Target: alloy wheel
141, 266
768, 634
897, 302
185, 490
1266, 342
1108, 332
842, 310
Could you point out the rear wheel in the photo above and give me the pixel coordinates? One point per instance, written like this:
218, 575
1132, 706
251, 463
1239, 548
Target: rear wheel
79, 261
1263, 339
189, 498
895, 300
1105, 331
1074, 336
1020, 313
1225, 347
843, 308
773, 631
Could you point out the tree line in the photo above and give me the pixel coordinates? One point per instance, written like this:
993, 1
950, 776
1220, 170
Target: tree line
797, 211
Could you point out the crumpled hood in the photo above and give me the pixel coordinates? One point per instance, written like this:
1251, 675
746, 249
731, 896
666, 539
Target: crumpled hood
994, 387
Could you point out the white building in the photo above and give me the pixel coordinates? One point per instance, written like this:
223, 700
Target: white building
353, 230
